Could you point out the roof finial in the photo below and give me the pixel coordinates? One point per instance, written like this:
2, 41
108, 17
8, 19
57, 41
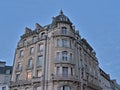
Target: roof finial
61, 12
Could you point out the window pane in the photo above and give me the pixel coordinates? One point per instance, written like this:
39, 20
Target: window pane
67, 88
39, 73
31, 50
64, 30
21, 53
64, 42
65, 71
30, 63
39, 60
40, 48
64, 56
29, 75
19, 66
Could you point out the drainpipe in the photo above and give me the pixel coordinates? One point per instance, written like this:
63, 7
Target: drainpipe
44, 68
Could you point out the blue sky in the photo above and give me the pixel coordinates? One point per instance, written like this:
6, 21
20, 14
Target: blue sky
97, 20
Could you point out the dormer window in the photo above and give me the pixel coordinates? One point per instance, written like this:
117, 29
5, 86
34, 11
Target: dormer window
64, 30
42, 35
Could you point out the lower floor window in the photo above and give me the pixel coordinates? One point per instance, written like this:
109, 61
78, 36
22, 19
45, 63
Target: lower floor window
64, 88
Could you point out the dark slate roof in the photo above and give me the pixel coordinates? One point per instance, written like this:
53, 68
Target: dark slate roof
4, 69
61, 18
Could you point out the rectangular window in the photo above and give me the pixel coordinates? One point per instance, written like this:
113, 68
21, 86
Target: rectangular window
30, 63
39, 61
40, 48
64, 43
21, 53
31, 50
39, 73
57, 70
64, 56
64, 30
65, 71
29, 75
17, 77
19, 67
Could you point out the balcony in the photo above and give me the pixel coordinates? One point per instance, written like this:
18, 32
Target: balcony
36, 79
65, 77
67, 61
59, 33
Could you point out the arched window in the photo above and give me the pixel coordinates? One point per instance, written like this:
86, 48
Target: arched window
65, 87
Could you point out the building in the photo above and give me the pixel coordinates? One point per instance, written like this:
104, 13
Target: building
5, 75
105, 80
55, 57
114, 85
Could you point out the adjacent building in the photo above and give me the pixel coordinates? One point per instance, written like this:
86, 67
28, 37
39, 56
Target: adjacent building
5, 75
105, 80
55, 57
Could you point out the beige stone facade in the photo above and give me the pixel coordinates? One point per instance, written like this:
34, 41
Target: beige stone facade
55, 57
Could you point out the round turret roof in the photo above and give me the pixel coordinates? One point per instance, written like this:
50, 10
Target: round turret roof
61, 18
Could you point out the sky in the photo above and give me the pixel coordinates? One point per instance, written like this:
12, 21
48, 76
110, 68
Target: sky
98, 21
